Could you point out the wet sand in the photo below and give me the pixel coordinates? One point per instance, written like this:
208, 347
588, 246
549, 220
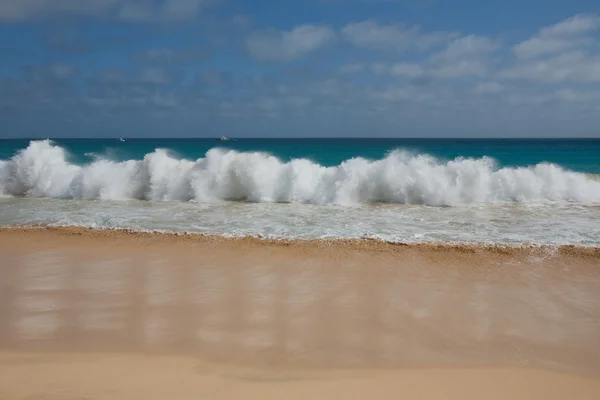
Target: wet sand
113, 314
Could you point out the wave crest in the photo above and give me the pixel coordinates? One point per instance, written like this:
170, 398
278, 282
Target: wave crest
43, 170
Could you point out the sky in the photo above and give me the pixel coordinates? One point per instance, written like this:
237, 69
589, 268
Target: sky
291, 68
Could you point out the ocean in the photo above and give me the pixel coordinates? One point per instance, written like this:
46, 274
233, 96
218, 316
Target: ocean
401, 190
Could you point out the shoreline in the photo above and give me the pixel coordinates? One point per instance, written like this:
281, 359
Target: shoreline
374, 244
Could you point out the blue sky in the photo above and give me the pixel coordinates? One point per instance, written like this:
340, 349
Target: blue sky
281, 68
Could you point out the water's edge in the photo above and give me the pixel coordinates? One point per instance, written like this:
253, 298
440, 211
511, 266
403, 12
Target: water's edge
358, 243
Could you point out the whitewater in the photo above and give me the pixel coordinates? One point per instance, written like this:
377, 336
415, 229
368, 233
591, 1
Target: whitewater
43, 170
404, 196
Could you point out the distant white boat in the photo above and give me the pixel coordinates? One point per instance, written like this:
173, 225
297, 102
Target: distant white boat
223, 139
121, 140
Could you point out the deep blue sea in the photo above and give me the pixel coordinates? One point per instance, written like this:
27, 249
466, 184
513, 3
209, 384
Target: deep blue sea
409, 190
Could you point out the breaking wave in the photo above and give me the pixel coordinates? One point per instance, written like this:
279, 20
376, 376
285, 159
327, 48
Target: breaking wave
43, 170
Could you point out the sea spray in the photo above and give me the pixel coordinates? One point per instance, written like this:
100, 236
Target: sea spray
43, 170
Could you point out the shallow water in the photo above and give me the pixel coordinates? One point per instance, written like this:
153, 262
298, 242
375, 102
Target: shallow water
540, 223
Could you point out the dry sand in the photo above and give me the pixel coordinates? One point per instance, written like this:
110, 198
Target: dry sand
132, 377
90, 314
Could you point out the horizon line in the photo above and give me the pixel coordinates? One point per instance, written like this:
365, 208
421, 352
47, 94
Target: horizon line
308, 138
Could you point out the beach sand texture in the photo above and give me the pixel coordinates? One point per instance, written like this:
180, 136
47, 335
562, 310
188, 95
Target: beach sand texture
123, 315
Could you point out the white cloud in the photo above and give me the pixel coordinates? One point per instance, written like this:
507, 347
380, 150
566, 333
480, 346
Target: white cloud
155, 100
455, 69
167, 10
395, 94
371, 34
467, 47
453, 82
538, 46
566, 59
110, 76
288, 45
407, 69
169, 56
577, 96
350, 69
560, 53
464, 56
587, 99
461, 68
155, 76
380, 68
131, 10
62, 71
180, 9
330, 88
488, 88
401, 69
575, 25
565, 35
163, 100
27, 9
54, 72
575, 66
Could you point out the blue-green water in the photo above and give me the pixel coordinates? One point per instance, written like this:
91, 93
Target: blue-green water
500, 191
578, 155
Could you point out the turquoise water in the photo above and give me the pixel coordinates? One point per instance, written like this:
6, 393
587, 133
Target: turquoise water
576, 155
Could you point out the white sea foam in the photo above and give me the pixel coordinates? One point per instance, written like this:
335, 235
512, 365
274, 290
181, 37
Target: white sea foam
43, 170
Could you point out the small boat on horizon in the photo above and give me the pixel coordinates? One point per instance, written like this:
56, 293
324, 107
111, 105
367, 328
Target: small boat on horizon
121, 140
223, 139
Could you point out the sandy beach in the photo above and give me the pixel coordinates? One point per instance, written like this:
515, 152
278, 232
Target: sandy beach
123, 315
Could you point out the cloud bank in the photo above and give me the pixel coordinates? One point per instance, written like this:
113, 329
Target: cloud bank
244, 76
